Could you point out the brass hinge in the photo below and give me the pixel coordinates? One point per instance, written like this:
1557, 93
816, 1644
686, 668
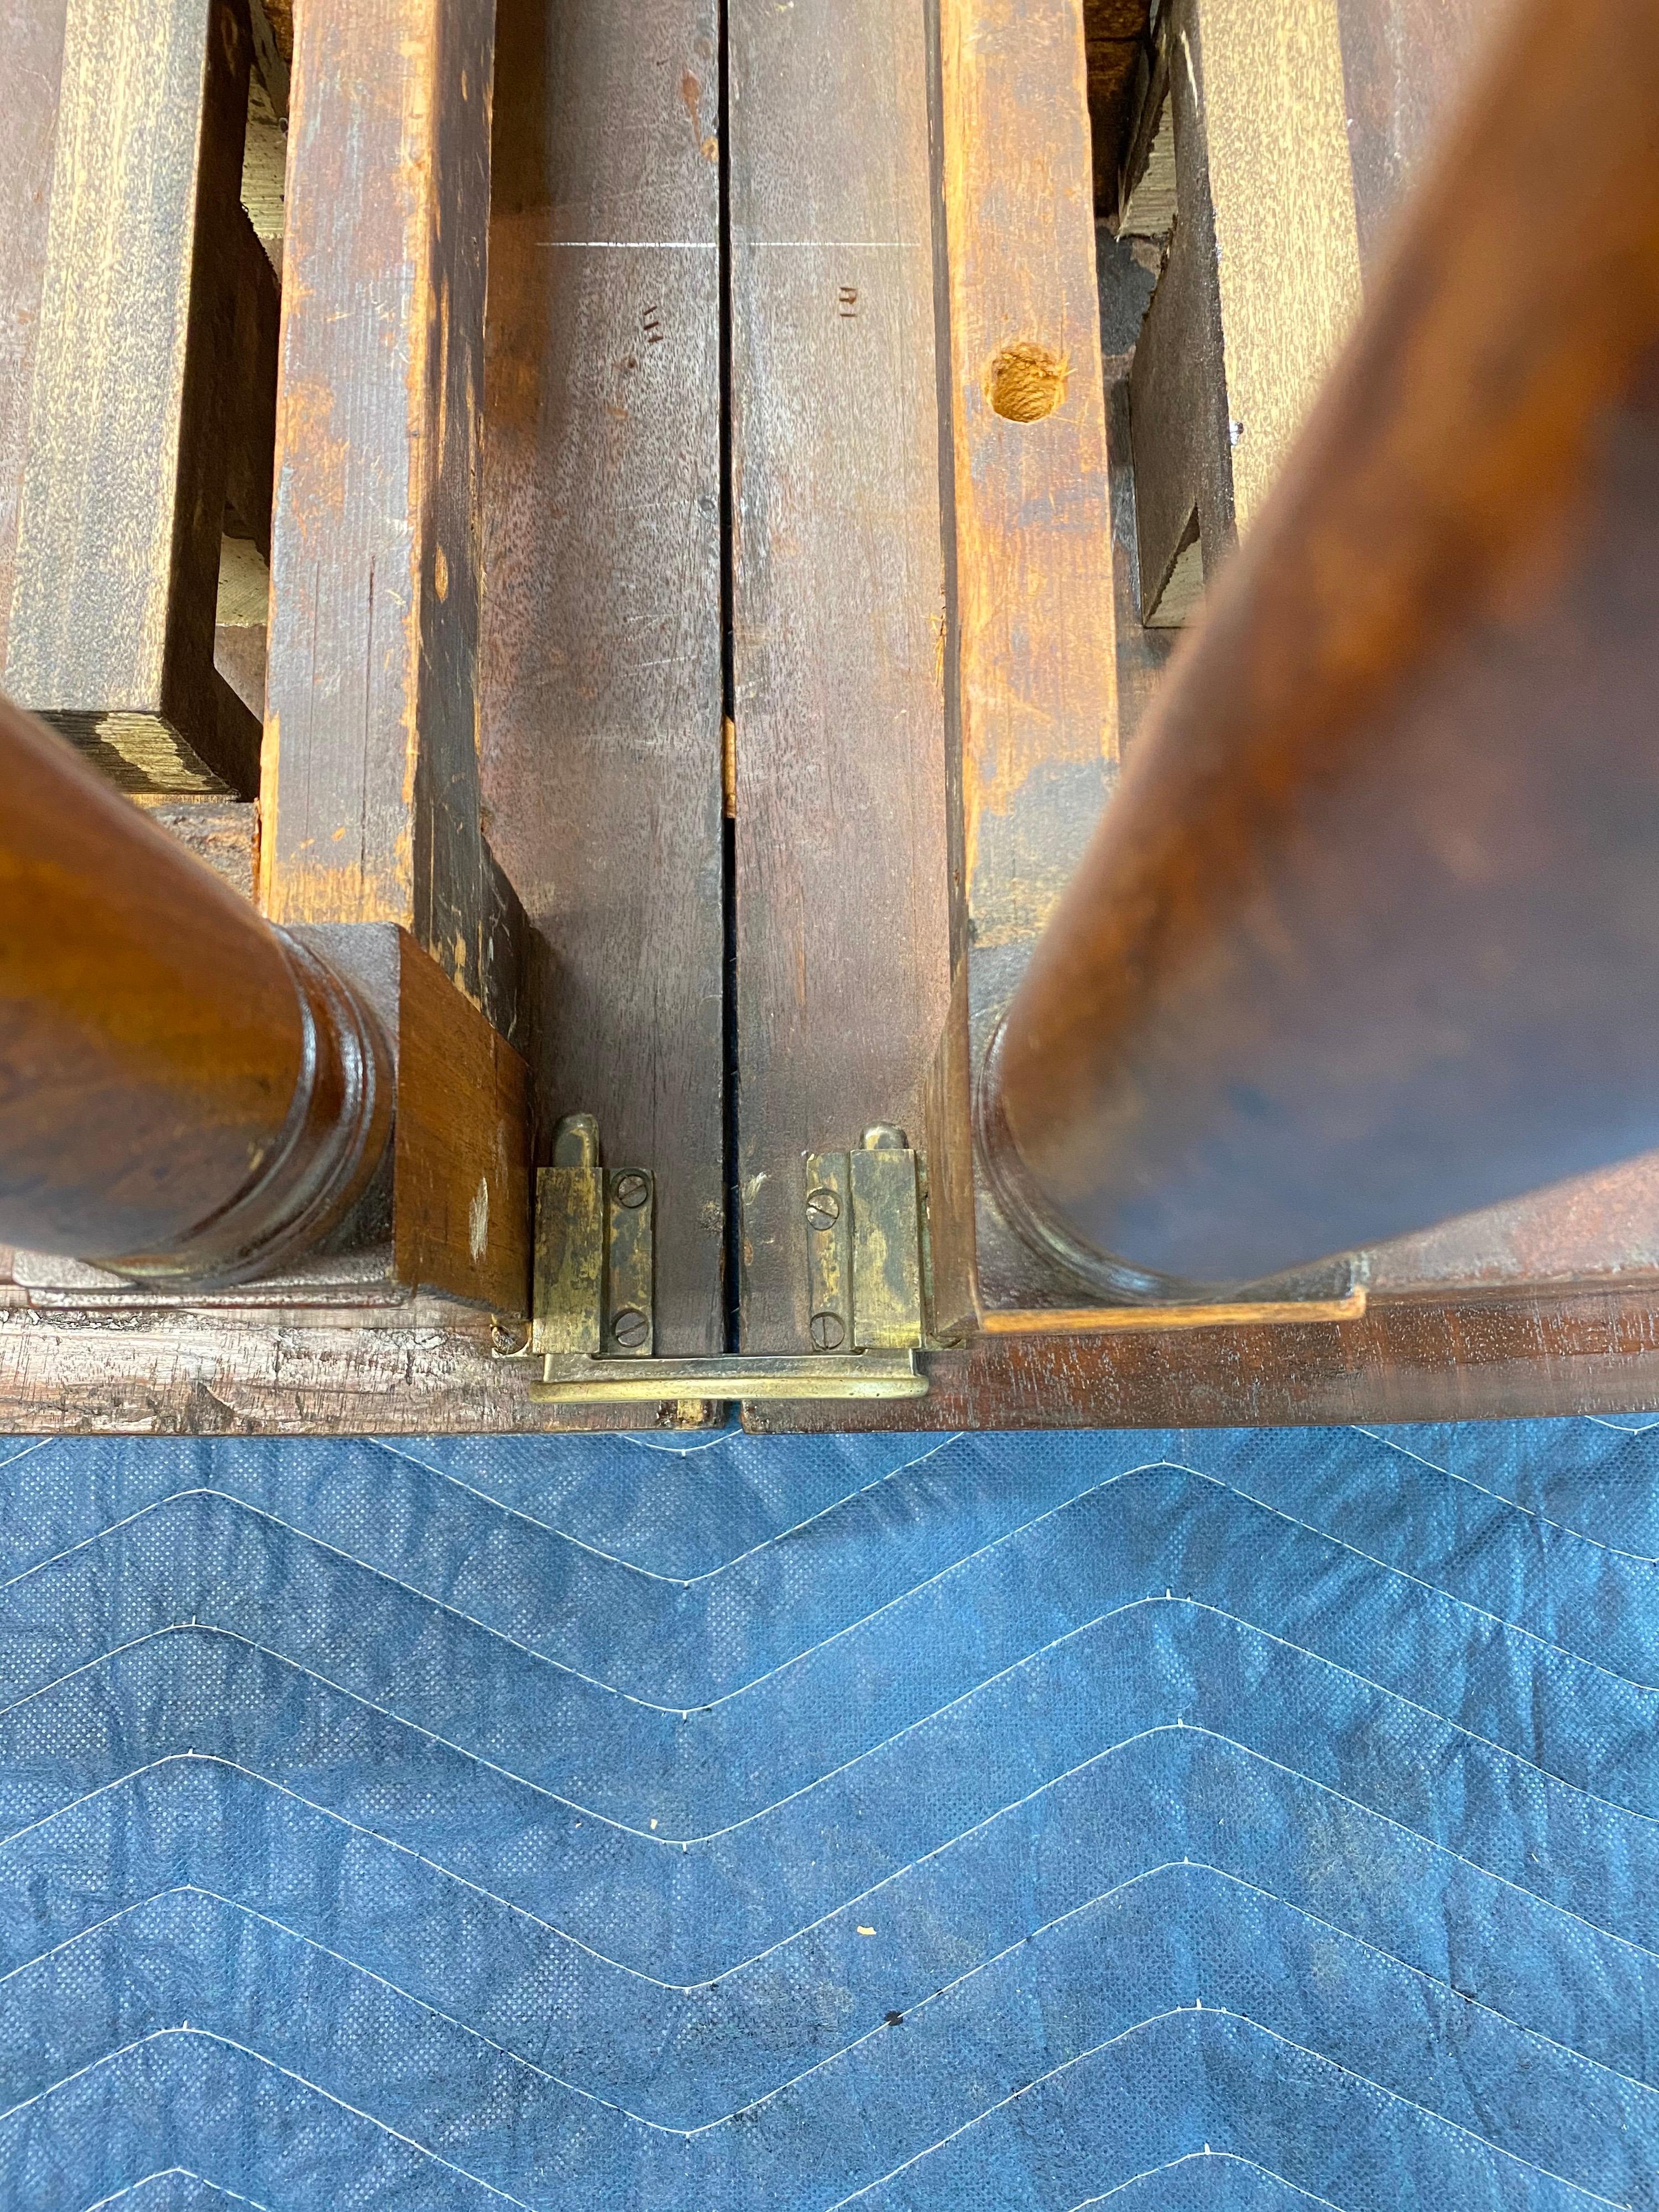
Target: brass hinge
594, 1321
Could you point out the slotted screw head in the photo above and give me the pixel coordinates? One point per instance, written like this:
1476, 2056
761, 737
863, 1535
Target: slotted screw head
630, 1190
828, 1332
823, 1209
630, 1329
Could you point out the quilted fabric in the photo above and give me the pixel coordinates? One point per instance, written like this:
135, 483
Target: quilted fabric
1243, 1822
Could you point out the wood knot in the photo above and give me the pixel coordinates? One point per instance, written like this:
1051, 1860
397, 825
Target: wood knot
1027, 382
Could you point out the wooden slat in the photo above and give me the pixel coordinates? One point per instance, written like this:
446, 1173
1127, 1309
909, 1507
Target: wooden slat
839, 605
602, 603
31, 63
371, 795
1179, 419
1035, 661
1287, 247
423, 1369
427, 1369
111, 627
1298, 126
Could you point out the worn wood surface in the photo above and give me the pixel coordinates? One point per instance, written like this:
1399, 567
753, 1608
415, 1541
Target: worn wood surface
265, 167
426, 1368
1298, 125
1032, 664
371, 791
429, 1369
602, 602
31, 64
116, 558
454, 1215
1143, 654
839, 613
222, 832
240, 621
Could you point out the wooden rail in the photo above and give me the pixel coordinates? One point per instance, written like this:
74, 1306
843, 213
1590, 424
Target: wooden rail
185, 1093
1366, 938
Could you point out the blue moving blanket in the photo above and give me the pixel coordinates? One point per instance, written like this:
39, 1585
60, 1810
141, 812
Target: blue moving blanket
1242, 1820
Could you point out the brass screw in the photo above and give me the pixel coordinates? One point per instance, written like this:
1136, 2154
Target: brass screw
630, 1329
823, 1209
828, 1332
630, 1190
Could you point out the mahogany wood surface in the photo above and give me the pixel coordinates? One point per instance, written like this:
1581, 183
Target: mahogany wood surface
1462, 1359
172, 1081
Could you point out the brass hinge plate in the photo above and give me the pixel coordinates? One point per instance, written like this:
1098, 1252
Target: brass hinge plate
594, 1324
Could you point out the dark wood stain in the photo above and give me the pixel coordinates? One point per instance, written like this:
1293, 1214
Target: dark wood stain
601, 701
842, 952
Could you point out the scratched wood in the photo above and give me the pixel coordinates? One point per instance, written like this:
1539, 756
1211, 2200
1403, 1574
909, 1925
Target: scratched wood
602, 603
424, 1367
110, 634
370, 794
839, 605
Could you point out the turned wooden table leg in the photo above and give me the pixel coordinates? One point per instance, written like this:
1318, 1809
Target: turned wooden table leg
184, 1092
1369, 936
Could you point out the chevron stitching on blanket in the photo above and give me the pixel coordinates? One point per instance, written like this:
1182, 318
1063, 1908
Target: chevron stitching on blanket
1229, 1819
